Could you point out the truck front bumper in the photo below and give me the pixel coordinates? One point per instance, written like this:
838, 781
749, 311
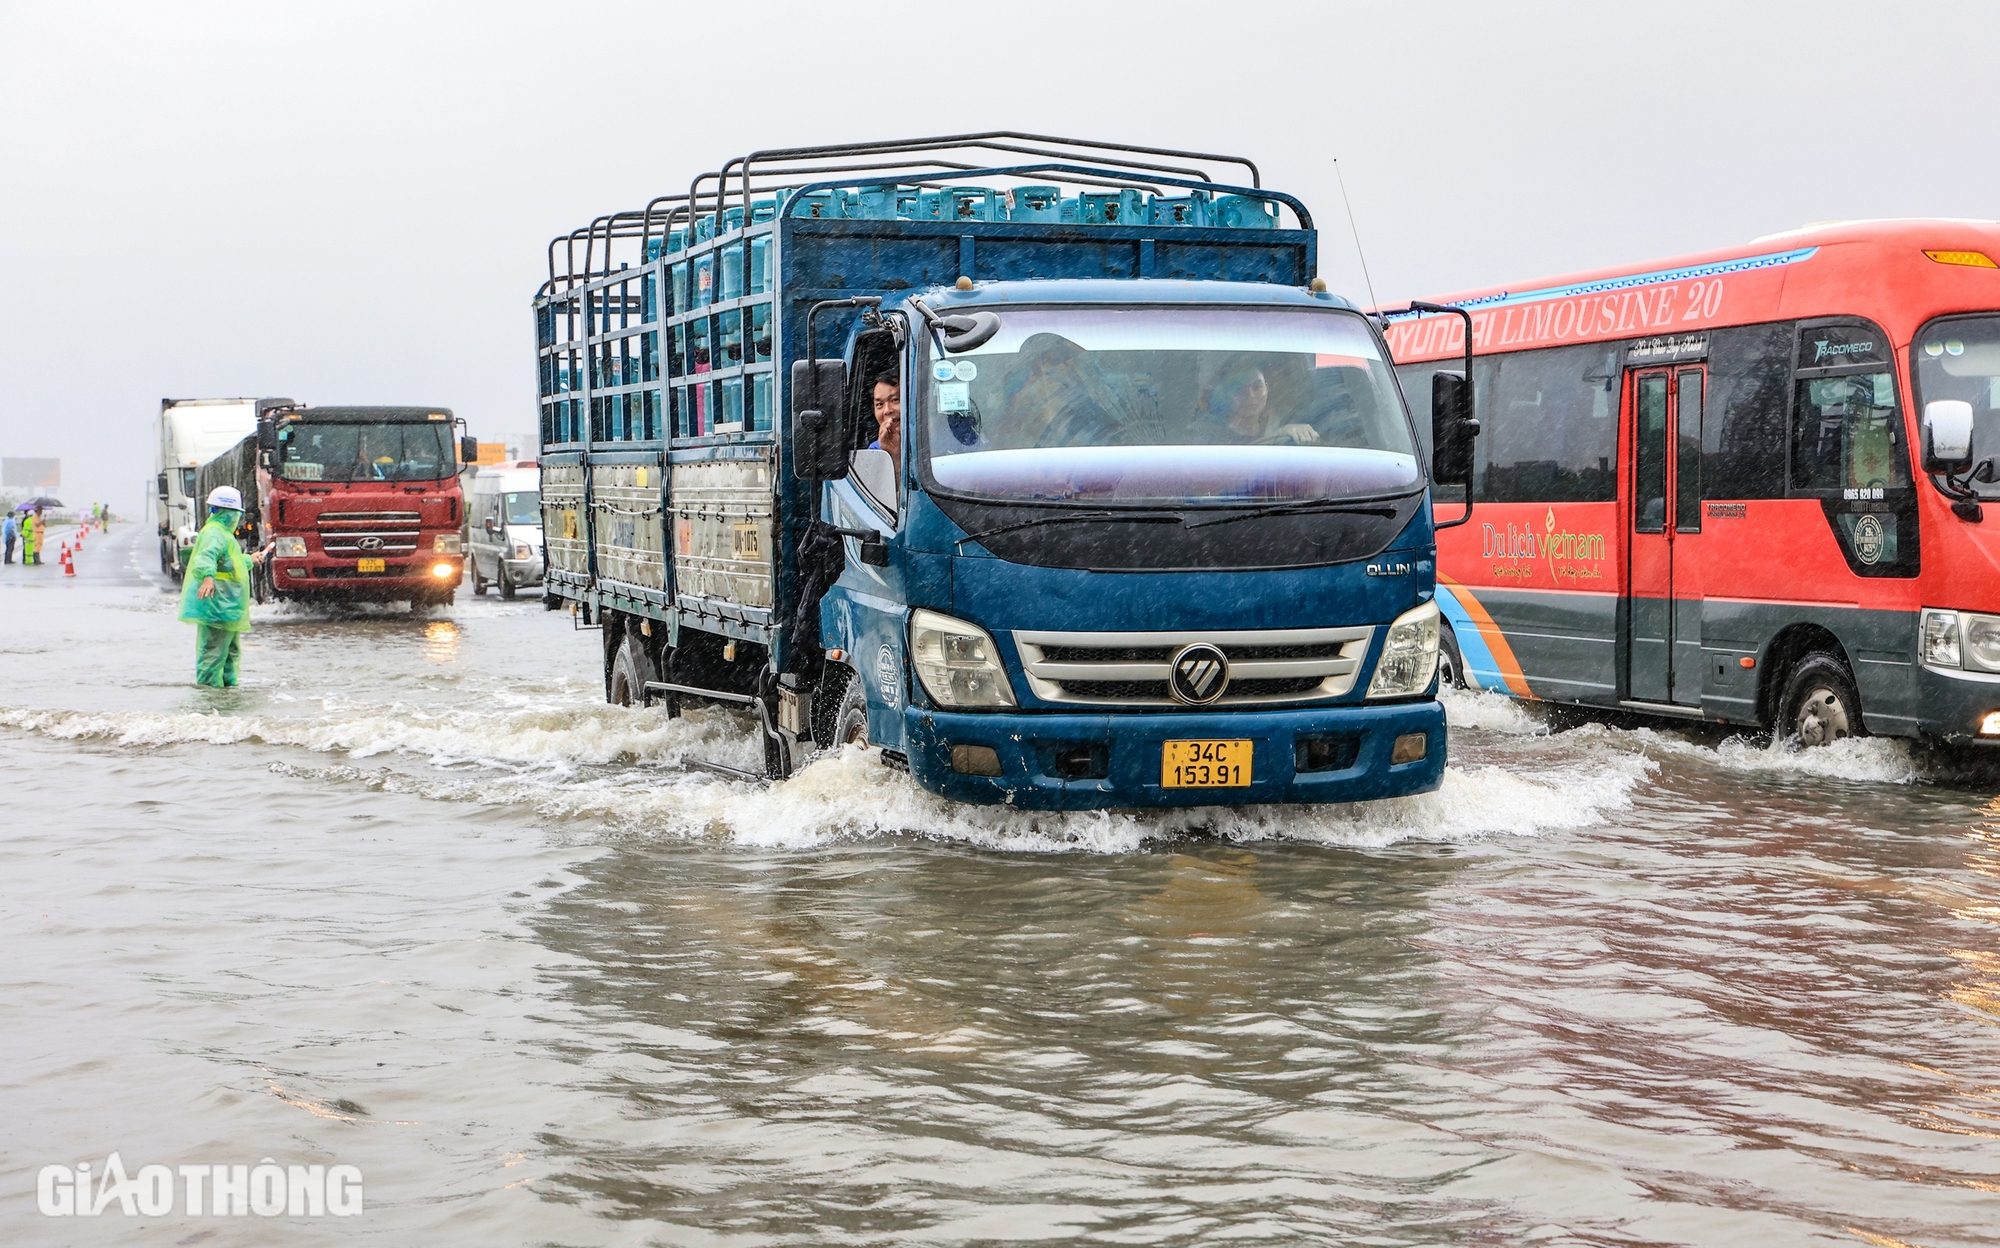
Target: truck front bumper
315, 576
1091, 762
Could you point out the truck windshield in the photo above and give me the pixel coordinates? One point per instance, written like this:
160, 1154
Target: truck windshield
411, 451
1173, 406
523, 507
1960, 359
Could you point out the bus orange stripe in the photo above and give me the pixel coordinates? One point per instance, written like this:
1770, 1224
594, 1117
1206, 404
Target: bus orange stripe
1496, 641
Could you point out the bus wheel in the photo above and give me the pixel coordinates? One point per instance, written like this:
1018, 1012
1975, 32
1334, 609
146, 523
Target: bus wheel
630, 670
1451, 668
1820, 705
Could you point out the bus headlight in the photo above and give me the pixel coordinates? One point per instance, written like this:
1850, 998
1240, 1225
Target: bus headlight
957, 662
290, 548
1939, 641
1960, 639
1409, 654
446, 544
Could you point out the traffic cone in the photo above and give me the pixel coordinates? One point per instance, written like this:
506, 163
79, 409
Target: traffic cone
69, 565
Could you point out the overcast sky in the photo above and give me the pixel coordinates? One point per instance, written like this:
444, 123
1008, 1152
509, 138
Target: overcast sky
348, 202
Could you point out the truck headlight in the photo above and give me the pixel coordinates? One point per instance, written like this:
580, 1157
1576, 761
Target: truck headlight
1409, 655
446, 544
1960, 639
957, 662
290, 548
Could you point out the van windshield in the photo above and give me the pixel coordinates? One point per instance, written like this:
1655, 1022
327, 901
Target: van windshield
522, 507
409, 451
1960, 359
1175, 406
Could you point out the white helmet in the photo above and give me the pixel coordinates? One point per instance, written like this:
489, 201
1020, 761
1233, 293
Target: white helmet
225, 496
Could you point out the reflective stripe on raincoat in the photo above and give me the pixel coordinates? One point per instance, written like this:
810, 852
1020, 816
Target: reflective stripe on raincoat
215, 553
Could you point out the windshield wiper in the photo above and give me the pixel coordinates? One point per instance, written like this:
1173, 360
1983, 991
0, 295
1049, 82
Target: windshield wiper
1305, 506
1143, 517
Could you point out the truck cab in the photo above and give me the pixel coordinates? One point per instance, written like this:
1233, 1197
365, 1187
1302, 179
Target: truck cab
363, 503
1138, 545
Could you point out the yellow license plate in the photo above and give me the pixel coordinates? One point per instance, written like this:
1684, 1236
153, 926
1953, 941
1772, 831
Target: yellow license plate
1205, 765
371, 565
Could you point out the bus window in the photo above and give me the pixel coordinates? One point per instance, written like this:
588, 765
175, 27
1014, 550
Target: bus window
1549, 426
1650, 455
1844, 434
1687, 466
1960, 359
1743, 430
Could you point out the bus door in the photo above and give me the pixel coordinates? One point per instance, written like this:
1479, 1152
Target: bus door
1663, 633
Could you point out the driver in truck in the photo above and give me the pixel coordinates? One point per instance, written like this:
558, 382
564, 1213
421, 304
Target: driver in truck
888, 396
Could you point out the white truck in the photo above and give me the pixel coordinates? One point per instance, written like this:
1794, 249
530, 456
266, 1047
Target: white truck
192, 432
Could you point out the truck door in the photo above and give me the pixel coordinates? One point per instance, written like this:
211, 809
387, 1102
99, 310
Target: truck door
1663, 636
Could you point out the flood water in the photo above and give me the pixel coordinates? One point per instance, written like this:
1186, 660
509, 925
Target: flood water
414, 900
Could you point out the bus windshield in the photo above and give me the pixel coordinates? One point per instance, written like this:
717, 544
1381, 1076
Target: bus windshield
407, 451
1960, 359
1174, 406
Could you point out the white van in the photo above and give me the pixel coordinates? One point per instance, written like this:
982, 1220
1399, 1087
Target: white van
503, 528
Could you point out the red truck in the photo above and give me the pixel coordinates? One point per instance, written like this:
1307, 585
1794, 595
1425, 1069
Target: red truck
354, 503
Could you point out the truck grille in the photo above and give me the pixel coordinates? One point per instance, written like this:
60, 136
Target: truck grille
361, 534
1131, 669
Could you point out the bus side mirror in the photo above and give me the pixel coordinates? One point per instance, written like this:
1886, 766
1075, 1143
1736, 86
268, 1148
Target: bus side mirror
1452, 429
1947, 435
468, 449
820, 434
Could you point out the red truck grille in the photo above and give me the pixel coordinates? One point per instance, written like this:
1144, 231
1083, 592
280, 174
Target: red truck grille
361, 534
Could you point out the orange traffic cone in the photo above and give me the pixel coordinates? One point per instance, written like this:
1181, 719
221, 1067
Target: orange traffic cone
69, 565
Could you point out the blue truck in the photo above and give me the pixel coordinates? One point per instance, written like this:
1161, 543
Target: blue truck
1046, 468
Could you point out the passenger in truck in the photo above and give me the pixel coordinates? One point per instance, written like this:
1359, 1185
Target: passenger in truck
1237, 408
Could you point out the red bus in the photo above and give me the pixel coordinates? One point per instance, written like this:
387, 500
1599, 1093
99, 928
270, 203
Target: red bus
1745, 486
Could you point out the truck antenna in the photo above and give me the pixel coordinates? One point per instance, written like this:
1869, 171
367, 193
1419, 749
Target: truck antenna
1356, 231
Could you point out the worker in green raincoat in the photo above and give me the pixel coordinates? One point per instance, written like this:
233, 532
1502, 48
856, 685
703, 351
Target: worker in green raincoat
215, 594
31, 537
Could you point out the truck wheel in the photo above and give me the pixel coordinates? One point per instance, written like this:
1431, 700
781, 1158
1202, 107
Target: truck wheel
631, 668
507, 586
1820, 705
1451, 667
850, 722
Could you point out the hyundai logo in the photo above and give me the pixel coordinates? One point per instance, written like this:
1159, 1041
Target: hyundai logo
370, 543
1198, 675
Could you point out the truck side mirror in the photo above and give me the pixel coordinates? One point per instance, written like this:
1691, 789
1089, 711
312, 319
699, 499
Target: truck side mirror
468, 449
163, 485
1947, 435
267, 436
821, 435
1452, 429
